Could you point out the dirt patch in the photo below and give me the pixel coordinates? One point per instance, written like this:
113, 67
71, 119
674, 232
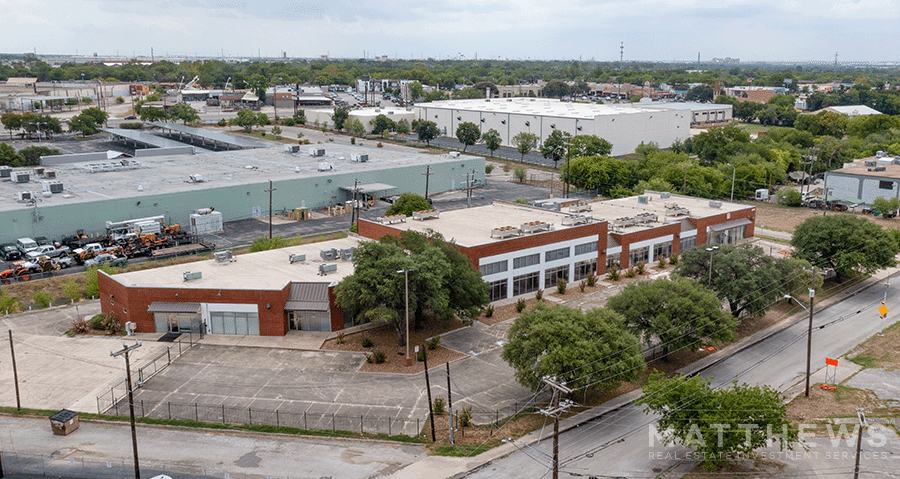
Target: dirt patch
384, 339
783, 218
821, 404
879, 351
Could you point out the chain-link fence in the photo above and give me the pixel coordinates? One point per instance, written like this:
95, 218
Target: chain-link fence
50, 465
119, 391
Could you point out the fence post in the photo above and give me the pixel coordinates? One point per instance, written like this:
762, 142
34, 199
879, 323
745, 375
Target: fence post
418, 428
304, 421
169, 408
333, 427
117, 407
169, 354
98, 405
360, 424
142, 409
223, 414
250, 414
196, 412
390, 420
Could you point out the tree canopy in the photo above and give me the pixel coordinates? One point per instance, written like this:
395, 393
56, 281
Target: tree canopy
555, 146
427, 131
849, 244
407, 203
679, 313
245, 119
591, 349
524, 142
467, 133
719, 422
491, 140
184, 112
745, 276
339, 117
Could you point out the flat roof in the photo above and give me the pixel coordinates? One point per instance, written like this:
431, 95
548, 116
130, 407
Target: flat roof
473, 226
537, 106
142, 137
168, 174
213, 136
266, 270
858, 167
685, 106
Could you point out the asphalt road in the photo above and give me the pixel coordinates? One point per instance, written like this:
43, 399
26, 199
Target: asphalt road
617, 444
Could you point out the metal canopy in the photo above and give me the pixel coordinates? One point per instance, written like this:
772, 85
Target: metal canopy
162, 307
730, 224
369, 187
141, 137
307, 297
204, 136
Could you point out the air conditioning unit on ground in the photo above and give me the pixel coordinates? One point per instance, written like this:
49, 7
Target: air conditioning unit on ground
49, 174
39, 171
715, 204
296, 258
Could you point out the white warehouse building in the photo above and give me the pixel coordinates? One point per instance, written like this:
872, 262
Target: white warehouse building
626, 126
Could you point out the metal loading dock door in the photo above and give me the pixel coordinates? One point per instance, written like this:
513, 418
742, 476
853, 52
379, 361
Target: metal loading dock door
234, 323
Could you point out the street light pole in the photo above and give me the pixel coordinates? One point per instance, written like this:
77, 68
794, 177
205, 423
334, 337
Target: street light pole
733, 171
711, 251
125, 350
406, 281
270, 190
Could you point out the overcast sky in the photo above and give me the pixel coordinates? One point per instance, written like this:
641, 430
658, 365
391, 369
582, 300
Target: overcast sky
775, 30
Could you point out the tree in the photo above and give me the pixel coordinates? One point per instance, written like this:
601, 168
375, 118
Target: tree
262, 119
589, 145
415, 90
716, 143
153, 113
703, 93
356, 128
11, 121
435, 95
555, 146
402, 127
823, 123
407, 203
245, 119
789, 197
524, 142
339, 117
491, 140
592, 349
184, 112
745, 276
72, 290
91, 286
467, 133
258, 84
382, 125
32, 154
427, 131
10, 157
849, 244
556, 89
88, 121
679, 312
884, 205
720, 422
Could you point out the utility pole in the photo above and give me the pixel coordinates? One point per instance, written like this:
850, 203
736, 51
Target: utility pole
812, 297
449, 403
427, 176
428, 387
125, 350
861, 415
555, 410
468, 191
15, 372
270, 190
354, 214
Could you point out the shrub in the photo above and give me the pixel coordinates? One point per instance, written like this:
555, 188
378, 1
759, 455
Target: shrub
489, 311
520, 172
662, 263
488, 169
439, 405
110, 325
592, 279
433, 342
222, 122
421, 355
582, 285
352, 140
521, 201
506, 167
264, 243
539, 294
42, 299
376, 357
119, 100
520, 305
7, 304
612, 275
561, 286
640, 267
290, 122
340, 338
673, 260
97, 321
132, 126
465, 417
367, 342
630, 273
80, 326
379, 145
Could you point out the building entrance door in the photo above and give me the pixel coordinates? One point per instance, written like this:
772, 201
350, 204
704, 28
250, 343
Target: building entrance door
294, 320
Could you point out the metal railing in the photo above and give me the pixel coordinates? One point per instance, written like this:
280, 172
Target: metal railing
119, 391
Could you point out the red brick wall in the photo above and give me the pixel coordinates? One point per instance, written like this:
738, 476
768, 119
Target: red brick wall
627, 239
131, 303
702, 223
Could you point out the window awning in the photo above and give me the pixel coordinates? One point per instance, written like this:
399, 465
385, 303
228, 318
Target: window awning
161, 307
730, 224
370, 188
307, 297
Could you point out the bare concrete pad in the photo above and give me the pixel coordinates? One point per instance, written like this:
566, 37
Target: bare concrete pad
885, 384
474, 339
61, 372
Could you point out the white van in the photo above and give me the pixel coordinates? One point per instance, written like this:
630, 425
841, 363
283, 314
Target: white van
25, 245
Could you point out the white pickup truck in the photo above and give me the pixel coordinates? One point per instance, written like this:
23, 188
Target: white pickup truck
48, 250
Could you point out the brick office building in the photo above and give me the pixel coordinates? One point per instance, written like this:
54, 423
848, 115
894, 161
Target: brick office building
520, 249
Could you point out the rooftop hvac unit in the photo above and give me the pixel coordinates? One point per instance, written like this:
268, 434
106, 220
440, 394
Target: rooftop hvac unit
317, 152
49, 174
5, 172
870, 163
52, 186
24, 196
39, 171
642, 200
880, 154
879, 168
20, 177
347, 253
292, 148
665, 195
454, 154
296, 258
196, 178
192, 275
224, 257
204, 211
715, 204
329, 254
325, 166
326, 268
360, 158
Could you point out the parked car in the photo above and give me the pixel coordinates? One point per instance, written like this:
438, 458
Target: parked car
45, 250
106, 258
64, 261
41, 240
26, 244
131, 117
9, 252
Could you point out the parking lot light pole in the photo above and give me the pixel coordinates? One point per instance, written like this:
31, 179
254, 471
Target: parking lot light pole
711, 251
124, 351
733, 171
406, 281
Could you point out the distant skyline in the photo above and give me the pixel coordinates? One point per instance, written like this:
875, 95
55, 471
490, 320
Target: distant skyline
652, 30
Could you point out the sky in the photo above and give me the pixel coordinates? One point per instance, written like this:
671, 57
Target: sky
651, 30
